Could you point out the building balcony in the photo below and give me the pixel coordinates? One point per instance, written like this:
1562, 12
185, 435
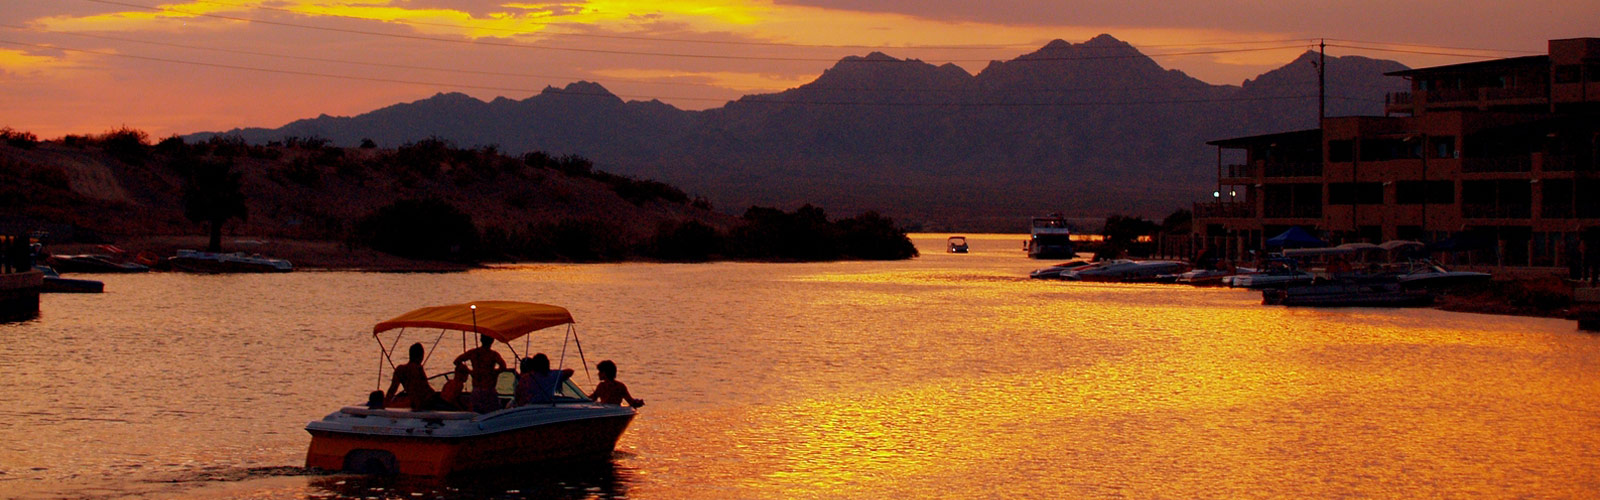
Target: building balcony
1238, 172
1485, 211
1308, 169
1224, 210
1482, 98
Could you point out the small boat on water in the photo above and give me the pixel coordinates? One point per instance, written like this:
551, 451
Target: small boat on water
93, 263
956, 244
1347, 294
54, 283
400, 440
1211, 277
237, 262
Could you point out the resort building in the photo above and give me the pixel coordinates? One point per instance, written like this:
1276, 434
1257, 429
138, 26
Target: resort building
1496, 159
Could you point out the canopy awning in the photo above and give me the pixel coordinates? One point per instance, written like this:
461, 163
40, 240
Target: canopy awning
1295, 237
503, 320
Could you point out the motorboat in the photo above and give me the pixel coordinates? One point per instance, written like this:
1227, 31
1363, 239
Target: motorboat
956, 244
236, 262
54, 283
1211, 277
1054, 272
93, 263
1428, 274
1347, 294
1124, 270
390, 439
1276, 273
1049, 238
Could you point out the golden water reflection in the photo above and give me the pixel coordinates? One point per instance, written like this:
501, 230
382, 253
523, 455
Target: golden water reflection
945, 376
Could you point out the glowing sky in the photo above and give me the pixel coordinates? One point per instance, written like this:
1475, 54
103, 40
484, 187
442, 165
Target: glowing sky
85, 66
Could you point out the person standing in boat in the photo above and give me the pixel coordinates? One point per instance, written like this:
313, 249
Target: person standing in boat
610, 391
414, 379
486, 368
537, 383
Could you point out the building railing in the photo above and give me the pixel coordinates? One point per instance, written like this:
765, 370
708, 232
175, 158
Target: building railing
1224, 210
1239, 172
1516, 93
1558, 163
1293, 169
1397, 99
1503, 164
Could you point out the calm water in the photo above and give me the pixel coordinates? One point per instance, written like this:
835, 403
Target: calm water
944, 376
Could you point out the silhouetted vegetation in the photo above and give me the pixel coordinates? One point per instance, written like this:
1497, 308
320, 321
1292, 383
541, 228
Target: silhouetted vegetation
18, 139
806, 235
430, 229
131, 146
1122, 235
690, 241
212, 195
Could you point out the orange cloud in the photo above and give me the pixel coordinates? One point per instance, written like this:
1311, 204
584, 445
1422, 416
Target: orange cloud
18, 62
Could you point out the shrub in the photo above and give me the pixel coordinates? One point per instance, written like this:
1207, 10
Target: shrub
172, 146
49, 176
874, 237
131, 146
422, 229
368, 144
19, 139
688, 241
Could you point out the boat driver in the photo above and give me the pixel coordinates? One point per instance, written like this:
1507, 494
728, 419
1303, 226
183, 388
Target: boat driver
486, 368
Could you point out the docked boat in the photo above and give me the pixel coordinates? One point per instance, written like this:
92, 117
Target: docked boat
54, 283
1427, 274
400, 440
1055, 272
235, 262
1211, 277
1347, 294
93, 263
1277, 273
1049, 238
1127, 271
956, 244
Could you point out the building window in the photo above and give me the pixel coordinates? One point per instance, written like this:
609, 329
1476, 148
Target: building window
1555, 198
1419, 192
1340, 151
1501, 199
1355, 193
1568, 73
1443, 146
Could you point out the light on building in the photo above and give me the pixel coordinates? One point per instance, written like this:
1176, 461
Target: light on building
1233, 193
1216, 194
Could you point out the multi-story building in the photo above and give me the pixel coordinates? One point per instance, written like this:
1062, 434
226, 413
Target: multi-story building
1497, 157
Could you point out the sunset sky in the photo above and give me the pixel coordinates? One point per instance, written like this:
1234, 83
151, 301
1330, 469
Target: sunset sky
85, 66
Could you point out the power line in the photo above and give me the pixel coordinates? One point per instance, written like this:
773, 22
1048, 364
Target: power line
1135, 54
1436, 47
747, 99
1405, 51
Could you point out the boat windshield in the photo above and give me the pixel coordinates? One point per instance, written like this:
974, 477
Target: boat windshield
568, 390
957, 240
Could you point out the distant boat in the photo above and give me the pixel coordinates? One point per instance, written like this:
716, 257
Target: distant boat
236, 262
956, 244
1276, 273
1049, 238
54, 283
93, 263
1347, 294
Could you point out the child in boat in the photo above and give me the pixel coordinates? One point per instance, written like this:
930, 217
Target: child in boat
610, 391
451, 393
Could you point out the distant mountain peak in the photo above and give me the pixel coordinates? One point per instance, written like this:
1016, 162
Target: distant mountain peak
583, 87
1105, 40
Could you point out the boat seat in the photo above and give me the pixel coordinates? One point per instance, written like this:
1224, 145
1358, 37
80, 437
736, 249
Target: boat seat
405, 413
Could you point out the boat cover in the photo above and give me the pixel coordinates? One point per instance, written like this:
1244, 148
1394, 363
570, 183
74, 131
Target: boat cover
1295, 237
503, 320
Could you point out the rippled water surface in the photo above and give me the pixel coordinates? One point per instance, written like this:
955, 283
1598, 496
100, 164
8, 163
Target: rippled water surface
943, 376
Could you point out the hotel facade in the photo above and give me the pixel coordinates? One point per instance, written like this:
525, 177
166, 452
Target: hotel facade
1495, 159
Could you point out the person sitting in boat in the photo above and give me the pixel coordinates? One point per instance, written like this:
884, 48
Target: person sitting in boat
486, 368
610, 391
411, 376
537, 383
451, 393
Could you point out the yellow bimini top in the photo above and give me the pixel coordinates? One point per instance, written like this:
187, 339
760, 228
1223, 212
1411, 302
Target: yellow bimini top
504, 320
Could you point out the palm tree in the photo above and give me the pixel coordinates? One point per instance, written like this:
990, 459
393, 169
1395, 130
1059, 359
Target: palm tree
212, 196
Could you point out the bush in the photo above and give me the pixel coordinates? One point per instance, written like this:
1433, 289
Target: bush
422, 229
806, 235
172, 146
53, 177
368, 144
131, 146
19, 139
688, 241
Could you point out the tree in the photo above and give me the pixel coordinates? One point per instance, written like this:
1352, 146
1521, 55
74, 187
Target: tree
212, 196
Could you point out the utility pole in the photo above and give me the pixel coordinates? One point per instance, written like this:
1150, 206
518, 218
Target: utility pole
1322, 81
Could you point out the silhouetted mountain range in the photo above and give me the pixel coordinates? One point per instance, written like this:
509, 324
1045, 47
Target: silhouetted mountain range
1089, 129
